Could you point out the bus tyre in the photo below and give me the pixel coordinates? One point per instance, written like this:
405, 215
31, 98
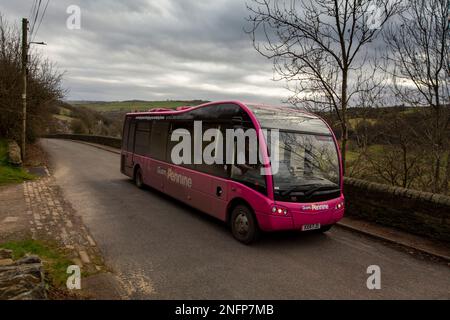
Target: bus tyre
244, 226
138, 180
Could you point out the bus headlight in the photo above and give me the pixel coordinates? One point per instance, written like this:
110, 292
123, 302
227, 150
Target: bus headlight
279, 211
340, 205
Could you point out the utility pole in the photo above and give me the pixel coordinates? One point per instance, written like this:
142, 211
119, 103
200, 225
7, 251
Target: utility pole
24, 88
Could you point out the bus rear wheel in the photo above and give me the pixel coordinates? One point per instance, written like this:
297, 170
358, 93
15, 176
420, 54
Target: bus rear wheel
138, 180
244, 226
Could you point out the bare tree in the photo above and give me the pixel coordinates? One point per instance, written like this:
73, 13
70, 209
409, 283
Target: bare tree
317, 45
44, 86
420, 62
371, 97
398, 163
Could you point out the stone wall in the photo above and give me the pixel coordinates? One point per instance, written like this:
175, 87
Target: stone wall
22, 279
14, 153
106, 141
417, 212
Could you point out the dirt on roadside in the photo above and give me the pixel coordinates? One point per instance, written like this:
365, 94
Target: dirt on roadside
36, 156
37, 210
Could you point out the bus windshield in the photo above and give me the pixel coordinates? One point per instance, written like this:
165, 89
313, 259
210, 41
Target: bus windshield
308, 167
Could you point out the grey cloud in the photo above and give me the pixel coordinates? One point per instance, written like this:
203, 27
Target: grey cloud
155, 50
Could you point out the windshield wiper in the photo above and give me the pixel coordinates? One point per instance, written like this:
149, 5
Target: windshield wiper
334, 188
308, 191
294, 188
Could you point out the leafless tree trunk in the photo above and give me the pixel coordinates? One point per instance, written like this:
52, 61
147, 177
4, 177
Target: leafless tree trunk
420, 62
317, 47
371, 97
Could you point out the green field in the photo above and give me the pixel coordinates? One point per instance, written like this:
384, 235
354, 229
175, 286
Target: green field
63, 118
133, 105
354, 122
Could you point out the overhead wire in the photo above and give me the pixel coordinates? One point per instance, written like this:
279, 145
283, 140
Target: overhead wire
35, 18
33, 7
40, 22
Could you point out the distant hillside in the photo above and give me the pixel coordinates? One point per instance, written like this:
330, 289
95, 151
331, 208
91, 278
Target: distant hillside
133, 105
106, 118
102, 117
373, 115
68, 118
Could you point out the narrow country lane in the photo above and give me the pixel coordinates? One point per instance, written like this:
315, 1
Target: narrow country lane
162, 249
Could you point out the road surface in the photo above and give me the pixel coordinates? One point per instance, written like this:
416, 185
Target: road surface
162, 249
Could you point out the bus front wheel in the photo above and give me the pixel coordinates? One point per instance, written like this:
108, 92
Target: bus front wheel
138, 180
244, 226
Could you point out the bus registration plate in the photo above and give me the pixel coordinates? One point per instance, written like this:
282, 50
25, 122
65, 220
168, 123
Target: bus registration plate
309, 227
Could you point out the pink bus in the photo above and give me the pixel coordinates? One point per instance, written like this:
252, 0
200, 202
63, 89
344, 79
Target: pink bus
304, 193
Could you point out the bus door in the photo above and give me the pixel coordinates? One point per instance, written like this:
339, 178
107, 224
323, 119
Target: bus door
218, 187
219, 198
249, 171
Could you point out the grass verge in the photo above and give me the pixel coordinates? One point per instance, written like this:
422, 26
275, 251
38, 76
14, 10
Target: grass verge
8, 173
55, 260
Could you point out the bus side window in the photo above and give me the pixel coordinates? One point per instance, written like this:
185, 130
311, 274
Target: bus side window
142, 138
219, 167
180, 125
131, 133
126, 128
158, 140
247, 173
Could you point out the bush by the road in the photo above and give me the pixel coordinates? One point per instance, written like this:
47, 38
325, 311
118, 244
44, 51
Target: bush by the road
44, 87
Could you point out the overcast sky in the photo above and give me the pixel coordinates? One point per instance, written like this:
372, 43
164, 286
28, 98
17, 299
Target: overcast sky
154, 50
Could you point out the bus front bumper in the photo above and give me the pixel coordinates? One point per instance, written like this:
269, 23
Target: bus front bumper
300, 215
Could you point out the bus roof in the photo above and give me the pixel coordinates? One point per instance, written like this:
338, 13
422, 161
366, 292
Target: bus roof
251, 106
269, 117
